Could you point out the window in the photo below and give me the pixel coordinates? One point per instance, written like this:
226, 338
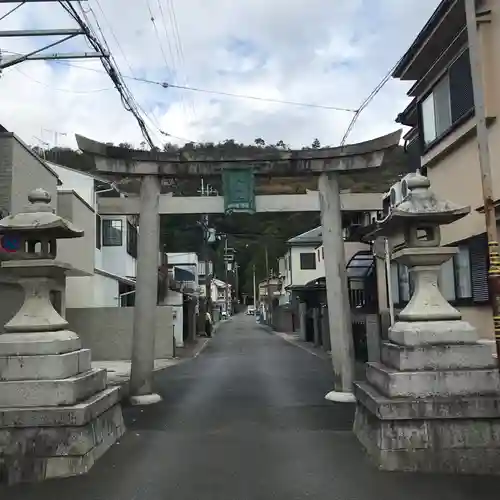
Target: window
449, 101
323, 253
112, 232
98, 236
308, 260
319, 255
131, 240
463, 276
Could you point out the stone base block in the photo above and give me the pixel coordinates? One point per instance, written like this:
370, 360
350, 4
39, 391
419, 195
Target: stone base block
437, 357
57, 416
466, 446
39, 343
45, 367
385, 408
416, 333
433, 383
68, 391
35, 453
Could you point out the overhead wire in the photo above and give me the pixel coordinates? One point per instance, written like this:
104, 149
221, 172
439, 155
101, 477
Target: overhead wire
174, 63
180, 49
110, 67
215, 92
365, 103
69, 91
11, 11
113, 34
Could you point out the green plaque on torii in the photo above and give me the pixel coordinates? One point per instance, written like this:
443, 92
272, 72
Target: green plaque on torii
239, 190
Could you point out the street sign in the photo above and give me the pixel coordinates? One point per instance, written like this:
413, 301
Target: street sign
239, 190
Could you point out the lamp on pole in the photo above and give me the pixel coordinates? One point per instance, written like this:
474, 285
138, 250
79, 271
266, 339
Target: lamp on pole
484, 163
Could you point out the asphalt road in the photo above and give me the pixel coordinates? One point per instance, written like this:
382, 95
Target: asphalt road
247, 420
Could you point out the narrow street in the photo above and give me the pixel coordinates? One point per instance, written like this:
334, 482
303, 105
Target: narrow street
247, 419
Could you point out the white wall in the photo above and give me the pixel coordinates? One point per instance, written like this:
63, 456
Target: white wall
92, 291
175, 301
304, 276
116, 260
81, 183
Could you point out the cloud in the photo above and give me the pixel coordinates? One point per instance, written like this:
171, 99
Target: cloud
318, 51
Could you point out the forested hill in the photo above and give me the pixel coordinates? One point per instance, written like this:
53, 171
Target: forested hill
249, 235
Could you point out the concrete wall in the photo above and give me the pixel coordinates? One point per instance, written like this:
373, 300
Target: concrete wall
81, 183
29, 173
92, 291
6, 158
21, 171
79, 252
175, 301
108, 331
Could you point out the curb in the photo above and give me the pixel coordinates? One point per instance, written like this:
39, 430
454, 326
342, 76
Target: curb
326, 356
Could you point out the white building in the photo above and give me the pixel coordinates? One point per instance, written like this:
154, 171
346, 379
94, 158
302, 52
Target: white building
107, 252
305, 260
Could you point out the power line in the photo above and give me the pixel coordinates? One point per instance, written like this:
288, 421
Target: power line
365, 103
153, 20
255, 98
69, 91
11, 11
179, 46
111, 69
217, 92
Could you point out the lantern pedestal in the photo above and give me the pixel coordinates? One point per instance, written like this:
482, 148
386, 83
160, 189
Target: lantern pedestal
433, 402
56, 415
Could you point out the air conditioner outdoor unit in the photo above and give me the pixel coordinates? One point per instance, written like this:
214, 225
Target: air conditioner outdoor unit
395, 194
404, 185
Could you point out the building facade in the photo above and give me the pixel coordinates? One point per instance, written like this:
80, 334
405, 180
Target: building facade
442, 142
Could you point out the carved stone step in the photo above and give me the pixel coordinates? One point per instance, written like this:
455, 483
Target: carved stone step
60, 416
435, 383
437, 357
31, 344
45, 367
432, 333
68, 391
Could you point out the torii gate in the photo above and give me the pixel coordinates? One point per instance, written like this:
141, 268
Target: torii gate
151, 166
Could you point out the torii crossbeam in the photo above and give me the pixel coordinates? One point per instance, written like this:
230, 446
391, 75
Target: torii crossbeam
325, 163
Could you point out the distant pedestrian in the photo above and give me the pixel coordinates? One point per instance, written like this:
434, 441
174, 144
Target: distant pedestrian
208, 324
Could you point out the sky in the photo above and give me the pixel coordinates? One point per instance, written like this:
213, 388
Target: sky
323, 52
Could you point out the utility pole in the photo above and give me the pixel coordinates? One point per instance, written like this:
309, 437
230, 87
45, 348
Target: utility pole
473, 18
254, 290
268, 295
236, 269
63, 35
226, 265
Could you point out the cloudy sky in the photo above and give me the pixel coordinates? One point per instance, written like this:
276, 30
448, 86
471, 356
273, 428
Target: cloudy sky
327, 52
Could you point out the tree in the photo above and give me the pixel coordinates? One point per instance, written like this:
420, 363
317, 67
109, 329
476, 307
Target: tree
125, 145
316, 144
281, 144
260, 142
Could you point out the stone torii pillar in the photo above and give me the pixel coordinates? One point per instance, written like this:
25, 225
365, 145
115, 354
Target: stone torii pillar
325, 163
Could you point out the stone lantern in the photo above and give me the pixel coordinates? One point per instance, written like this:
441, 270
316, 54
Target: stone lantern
433, 402
56, 414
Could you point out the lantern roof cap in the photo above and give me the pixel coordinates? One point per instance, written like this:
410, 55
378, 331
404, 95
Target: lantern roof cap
39, 218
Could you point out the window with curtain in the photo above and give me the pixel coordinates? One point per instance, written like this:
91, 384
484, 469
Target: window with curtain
449, 101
